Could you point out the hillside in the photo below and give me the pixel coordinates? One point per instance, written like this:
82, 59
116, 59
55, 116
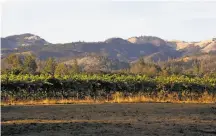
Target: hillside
204, 62
115, 48
117, 51
26, 39
205, 46
97, 63
156, 41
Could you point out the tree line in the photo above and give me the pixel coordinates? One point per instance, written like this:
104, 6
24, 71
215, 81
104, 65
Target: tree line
28, 64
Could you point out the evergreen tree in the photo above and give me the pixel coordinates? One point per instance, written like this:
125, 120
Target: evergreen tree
196, 67
29, 64
15, 64
75, 67
61, 69
50, 66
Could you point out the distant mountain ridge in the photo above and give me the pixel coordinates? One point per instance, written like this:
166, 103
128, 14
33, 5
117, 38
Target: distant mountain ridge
26, 39
125, 50
205, 46
147, 39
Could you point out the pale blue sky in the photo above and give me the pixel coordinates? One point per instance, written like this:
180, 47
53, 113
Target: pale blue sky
66, 21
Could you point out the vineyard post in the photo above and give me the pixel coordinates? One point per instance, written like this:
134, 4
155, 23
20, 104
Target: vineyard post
7, 76
77, 95
107, 97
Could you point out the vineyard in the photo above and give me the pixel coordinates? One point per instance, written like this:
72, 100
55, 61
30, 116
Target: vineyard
108, 87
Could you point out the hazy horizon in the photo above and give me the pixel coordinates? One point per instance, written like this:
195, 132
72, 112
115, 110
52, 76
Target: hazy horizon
68, 21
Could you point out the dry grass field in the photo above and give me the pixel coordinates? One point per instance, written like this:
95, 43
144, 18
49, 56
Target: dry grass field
118, 97
109, 119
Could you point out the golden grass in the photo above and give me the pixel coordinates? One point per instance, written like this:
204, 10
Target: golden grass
40, 121
49, 102
166, 97
118, 97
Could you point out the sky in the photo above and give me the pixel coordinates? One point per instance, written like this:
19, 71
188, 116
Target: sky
61, 21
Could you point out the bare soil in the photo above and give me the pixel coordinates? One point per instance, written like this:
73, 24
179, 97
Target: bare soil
110, 119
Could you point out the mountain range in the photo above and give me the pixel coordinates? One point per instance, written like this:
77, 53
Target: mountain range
116, 50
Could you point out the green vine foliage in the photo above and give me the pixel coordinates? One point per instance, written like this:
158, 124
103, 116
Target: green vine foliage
36, 87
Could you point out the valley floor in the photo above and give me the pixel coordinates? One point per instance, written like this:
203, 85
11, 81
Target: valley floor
109, 119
